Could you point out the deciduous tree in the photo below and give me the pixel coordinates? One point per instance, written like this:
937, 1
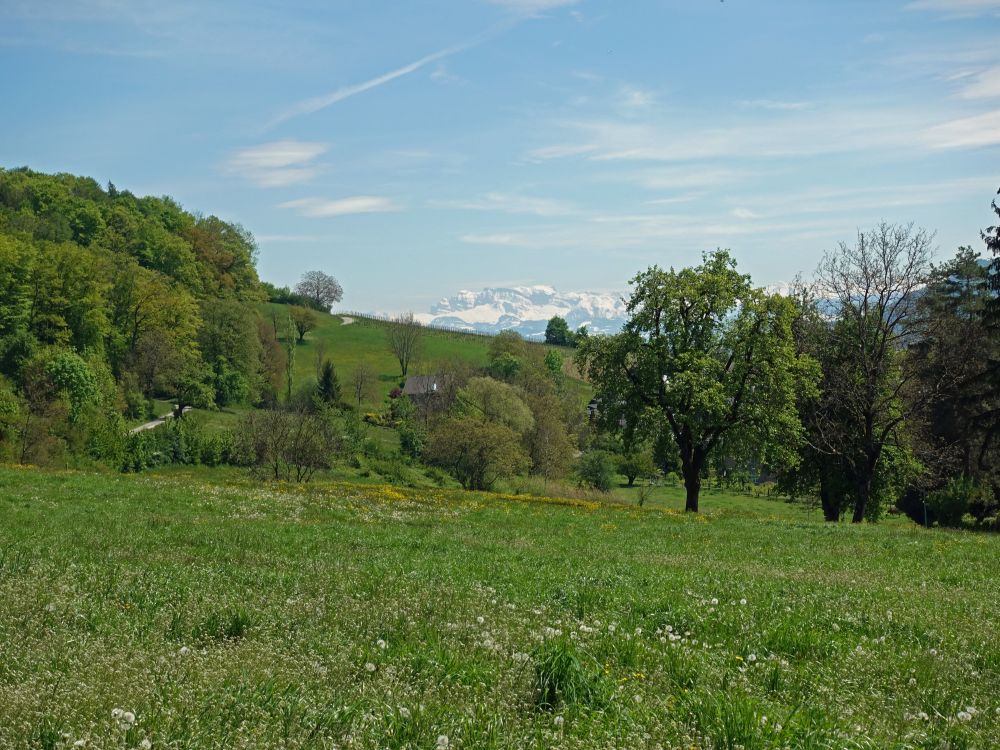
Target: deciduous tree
321, 288
706, 357
405, 336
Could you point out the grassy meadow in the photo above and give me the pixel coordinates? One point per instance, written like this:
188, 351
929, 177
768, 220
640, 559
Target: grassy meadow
206, 611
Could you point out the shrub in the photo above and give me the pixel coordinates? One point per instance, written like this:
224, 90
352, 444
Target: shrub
596, 469
477, 453
948, 504
287, 445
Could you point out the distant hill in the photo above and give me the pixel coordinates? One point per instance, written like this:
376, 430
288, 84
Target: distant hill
350, 341
526, 309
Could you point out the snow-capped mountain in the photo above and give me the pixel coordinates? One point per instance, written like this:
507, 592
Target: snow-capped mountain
527, 310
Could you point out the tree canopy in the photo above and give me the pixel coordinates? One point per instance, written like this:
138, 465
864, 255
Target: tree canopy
707, 359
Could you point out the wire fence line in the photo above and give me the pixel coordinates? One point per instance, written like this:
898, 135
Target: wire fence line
362, 318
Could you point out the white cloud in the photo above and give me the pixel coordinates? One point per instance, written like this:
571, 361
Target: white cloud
633, 97
744, 213
532, 7
983, 85
957, 7
321, 208
503, 240
317, 103
966, 132
277, 163
561, 150
664, 137
512, 204
774, 104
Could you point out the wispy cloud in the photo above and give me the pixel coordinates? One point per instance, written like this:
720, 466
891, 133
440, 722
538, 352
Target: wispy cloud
512, 204
277, 163
633, 97
774, 104
966, 132
816, 131
323, 208
957, 7
532, 7
984, 84
502, 240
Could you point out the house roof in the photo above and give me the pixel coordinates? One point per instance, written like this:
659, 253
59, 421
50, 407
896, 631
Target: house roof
422, 385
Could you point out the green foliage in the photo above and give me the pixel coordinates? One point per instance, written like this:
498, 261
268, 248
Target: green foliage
957, 498
97, 279
554, 364
328, 386
636, 463
596, 468
708, 358
557, 332
495, 402
477, 453
303, 319
74, 377
411, 439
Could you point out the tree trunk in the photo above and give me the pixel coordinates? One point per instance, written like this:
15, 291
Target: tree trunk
693, 486
691, 463
831, 508
861, 501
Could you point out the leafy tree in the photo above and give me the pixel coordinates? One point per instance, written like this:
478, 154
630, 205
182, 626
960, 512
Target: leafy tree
476, 452
229, 341
636, 462
190, 391
328, 386
321, 288
73, 376
708, 358
405, 337
304, 320
548, 442
495, 402
557, 332
596, 469
554, 364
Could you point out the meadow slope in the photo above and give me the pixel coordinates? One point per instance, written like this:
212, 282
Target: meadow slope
186, 614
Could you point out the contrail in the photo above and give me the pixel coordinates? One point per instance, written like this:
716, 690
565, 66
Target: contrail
317, 103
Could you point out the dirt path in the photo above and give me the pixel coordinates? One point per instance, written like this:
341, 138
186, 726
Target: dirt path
345, 320
156, 422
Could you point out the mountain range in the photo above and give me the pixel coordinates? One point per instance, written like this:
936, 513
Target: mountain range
527, 310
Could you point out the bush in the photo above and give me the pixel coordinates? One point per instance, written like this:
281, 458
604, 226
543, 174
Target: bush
411, 439
287, 445
949, 504
596, 469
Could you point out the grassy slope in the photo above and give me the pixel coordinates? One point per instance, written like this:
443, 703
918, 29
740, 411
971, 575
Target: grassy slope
347, 346
283, 595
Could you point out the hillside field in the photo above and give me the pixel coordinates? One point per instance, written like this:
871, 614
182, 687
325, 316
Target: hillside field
364, 341
191, 612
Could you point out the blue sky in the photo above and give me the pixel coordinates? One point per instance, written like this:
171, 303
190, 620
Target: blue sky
416, 148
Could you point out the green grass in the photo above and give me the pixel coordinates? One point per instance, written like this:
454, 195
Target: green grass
364, 341
230, 614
